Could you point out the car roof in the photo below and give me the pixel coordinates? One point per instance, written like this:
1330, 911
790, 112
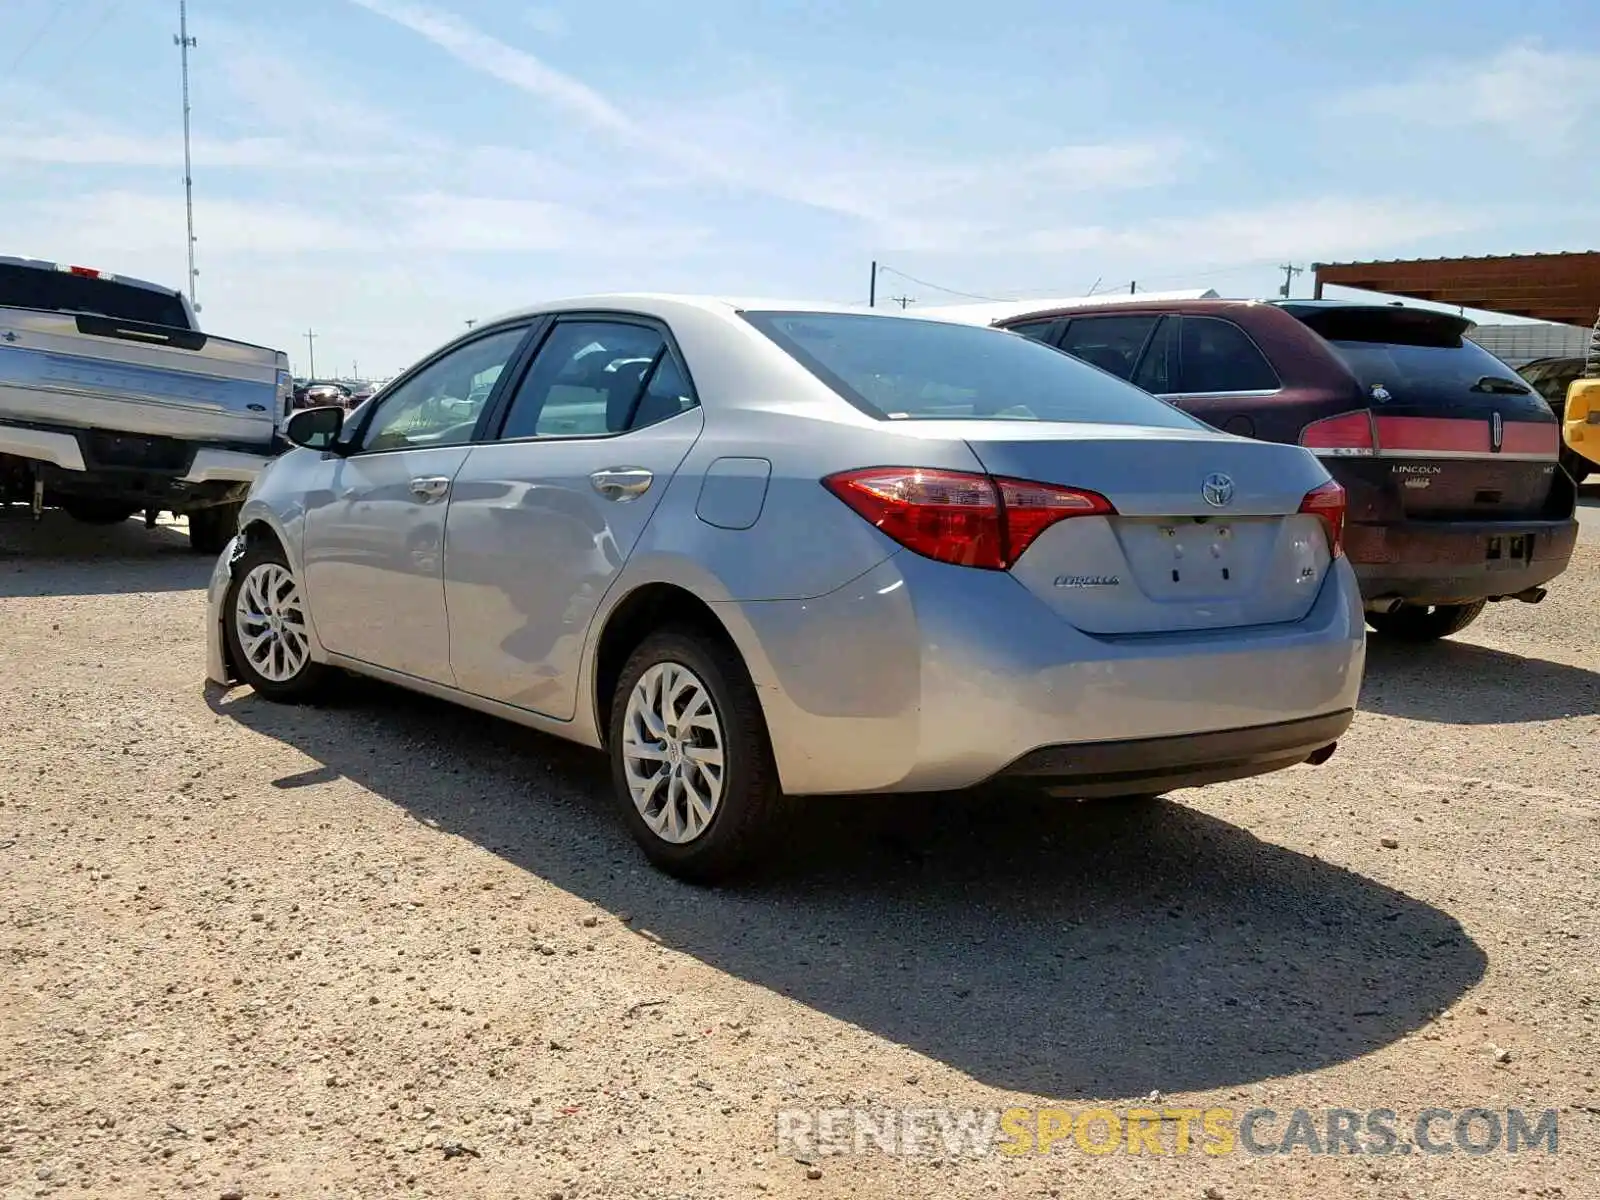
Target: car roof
1205, 304
667, 304
989, 312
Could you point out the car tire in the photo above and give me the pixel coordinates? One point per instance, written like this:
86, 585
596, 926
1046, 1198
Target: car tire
1424, 623
277, 663
211, 529
97, 512
1576, 464
723, 760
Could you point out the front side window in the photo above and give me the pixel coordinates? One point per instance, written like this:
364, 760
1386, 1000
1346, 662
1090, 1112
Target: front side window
594, 378
1218, 356
440, 405
898, 368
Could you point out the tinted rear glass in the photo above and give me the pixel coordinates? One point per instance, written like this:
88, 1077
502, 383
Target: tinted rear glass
1421, 357
896, 368
57, 291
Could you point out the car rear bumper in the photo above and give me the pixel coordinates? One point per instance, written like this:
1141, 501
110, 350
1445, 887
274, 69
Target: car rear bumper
922, 677
1149, 765
1442, 562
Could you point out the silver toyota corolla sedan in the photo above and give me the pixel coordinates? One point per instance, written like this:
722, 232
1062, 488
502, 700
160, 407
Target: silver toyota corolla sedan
764, 551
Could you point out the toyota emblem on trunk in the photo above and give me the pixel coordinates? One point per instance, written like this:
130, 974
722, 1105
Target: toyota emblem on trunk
1217, 491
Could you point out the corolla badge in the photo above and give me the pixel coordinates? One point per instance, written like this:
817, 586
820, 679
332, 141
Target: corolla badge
1217, 491
1087, 581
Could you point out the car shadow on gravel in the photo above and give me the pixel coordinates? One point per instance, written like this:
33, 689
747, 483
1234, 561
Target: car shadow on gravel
1485, 687
1037, 945
57, 556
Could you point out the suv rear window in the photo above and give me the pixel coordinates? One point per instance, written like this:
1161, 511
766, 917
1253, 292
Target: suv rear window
1416, 355
56, 291
898, 368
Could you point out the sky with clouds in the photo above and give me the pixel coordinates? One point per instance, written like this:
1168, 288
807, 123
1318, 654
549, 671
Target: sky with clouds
382, 171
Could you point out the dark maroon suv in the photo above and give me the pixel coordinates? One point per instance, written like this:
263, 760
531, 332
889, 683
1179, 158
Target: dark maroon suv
1449, 457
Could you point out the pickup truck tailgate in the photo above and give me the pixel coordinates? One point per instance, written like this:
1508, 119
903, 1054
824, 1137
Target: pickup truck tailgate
96, 372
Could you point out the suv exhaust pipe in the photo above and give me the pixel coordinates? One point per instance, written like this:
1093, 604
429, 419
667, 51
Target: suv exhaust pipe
1530, 595
1385, 605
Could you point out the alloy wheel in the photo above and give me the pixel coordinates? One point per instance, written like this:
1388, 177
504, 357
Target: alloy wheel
672, 752
270, 620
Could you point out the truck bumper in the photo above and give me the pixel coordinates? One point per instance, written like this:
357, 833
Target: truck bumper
42, 445
225, 466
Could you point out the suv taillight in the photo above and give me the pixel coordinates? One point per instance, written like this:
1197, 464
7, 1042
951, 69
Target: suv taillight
1328, 502
1351, 434
961, 517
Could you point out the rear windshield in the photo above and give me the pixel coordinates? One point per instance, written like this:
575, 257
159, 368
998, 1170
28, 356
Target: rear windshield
57, 291
1417, 356
897, 369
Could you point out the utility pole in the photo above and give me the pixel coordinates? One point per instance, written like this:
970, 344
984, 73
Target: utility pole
311, 353
1289, 272
902, 301
184, 42
471, 321
872, 288
1133, 287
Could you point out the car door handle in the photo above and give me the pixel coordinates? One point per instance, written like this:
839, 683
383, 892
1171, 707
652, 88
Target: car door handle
430, 487
622, 483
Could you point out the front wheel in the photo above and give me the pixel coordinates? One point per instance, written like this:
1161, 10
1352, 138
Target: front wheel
211, 529
264, 622
690, 757
1425, 623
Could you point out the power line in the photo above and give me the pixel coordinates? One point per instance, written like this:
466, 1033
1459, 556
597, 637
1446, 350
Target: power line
27, 49
1289, 272
105, 15
902, 301
937, 287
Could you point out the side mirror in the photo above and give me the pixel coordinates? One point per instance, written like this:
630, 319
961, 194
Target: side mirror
315, 428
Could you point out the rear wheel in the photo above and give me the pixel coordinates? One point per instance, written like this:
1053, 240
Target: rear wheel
211, 529
97, 512
1425, 623
264, 622
690, 757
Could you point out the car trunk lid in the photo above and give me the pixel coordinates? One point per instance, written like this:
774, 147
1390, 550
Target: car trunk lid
1207, 532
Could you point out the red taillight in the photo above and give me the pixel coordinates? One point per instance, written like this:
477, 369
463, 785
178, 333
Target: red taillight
1349, 433
1328, 503
961, 517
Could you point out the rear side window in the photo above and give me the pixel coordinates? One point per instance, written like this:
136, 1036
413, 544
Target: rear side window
1158, 369
1218, 356
595, 378
1110, 343
896, 368
57, 291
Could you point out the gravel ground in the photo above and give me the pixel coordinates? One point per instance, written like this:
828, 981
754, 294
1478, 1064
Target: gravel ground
392, 948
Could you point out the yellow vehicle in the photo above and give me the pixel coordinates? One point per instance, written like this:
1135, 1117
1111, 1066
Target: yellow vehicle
1582, 426
1581, 429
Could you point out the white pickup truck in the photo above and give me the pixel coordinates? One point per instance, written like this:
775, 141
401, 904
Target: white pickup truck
112, 402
